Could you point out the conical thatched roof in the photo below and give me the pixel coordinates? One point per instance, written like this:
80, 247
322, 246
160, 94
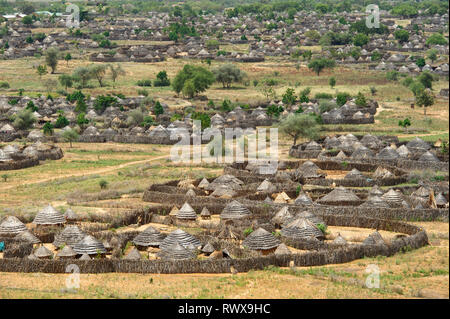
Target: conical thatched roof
43, 252
27, 237
227, 233
375, 191
421, 192
403, 151
309, 170
66, 252
375, 201
393, 197
134, 254
340, 155
282, 198
339, 240
428, 157
381, 173
149, 237
89, 245
32, 257
303, 199
282, 216
177, 252
174, 211
223, 191
226, 180
208, 249
301, 228
235, 210
282, 249
374, 239
85, 257
266, 186
362, 152
268, 200
418, 143
203, 183
313, 146
11, 225
187, 212
180, 236
191, 193
70, 215
371, 141
338, 195
70, 235
388, 153
440, 200
354, 174
309, 216
260, 239
49, 216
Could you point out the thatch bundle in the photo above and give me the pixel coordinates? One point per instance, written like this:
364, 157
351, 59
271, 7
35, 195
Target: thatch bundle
186, 212
11, 225
302, 228
235, 210
339, 195
149, 237
183, 238
66, 252
49, 216
261, 239
176, 251
28, 237
70, 235
89, 245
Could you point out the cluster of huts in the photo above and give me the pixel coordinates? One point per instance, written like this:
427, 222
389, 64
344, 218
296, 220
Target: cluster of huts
14, 156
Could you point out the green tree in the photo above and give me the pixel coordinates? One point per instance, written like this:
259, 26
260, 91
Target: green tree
360, 100
82, 120
51, 58
27, 20
289, 97
360, 40
192, 80
135, 117
98, 71
70, 136
317, 65
436, 38
420, 62
426, 78
116, 71
61, 121
416, 88
102, 102
299, 125
228, 73
405, 123
425, 99
158, 109
65, 80
161, 79
401, 35
67, 58
24, 119
48, 128
432, 55
332, 81
82, 75
41, 70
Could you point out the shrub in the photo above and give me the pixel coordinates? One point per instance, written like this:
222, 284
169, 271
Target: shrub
248, 231
392, 75
144, 83
323, 96
342, 98
158, 109
203, 118
24, 119
360, 100
4, 85
161, 79
274, 110
142, 92
103, 184
61, 121
102, 102
48, 128
326, 106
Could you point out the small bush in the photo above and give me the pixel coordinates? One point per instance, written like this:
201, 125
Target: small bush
146, 83
4, 85
248, 231
323, 96
103, 184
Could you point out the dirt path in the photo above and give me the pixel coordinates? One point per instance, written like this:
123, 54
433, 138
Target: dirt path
96, 171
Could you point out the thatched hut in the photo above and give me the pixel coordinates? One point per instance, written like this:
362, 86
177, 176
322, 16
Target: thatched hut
203, 184
205, 214
66, 253
375, 191
375, 201
428, 157
11, 226
70, 236
229, 181
418, 144
261, 240
340, 196
187, 213
208, 249
70, 216
354, 174
308, 170
43, 253
282, 249
134, 254
183, 238
235, 211
302, 228
89, 245
266, 186
48, 217
441, 201
303, 199
393, 198
339, 240
374, 239
28, 237
282, 216
176, 251
150, 237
